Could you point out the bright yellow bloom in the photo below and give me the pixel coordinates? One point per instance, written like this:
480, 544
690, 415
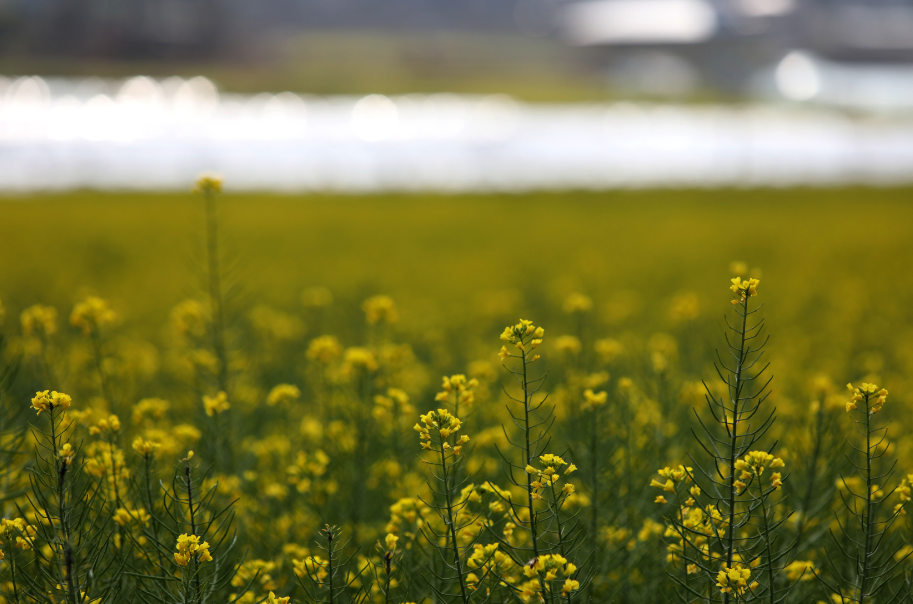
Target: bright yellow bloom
745, 289
390, 540
800, 570
569, 586
776, 481
144, 447
272, 599
111, 424
592, 400
189, 546
441, 422
864, 393
283, 393
50, 400
216, 404
67, 453
125, 516
735, 579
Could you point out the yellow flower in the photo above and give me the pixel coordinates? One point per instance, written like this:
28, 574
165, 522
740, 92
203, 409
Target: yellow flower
144, 447
569, 586
735, 579
800, 570
92, 314
272, 599
591, 399
380, 309
745, 289
324, 349
390, 541
576, 303
111, 424
568, 344
208, 182
216, 404
776, 480
50, 400
39, 319
67, 453
283, 393
189, 546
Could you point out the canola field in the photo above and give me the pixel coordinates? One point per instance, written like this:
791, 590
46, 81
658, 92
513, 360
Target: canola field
558, 397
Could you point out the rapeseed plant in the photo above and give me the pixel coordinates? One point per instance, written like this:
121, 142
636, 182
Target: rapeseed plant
306, 485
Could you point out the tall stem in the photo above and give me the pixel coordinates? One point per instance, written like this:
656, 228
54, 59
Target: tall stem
867, 517
215, 290
733, 445
451, 524
528, 461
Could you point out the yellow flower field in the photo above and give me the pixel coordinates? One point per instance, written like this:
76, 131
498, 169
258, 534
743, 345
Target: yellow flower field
551, 397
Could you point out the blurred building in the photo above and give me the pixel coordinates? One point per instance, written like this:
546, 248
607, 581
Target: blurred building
806, 46
842, 52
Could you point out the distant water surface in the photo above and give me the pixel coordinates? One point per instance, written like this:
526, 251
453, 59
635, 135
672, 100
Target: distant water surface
147, 134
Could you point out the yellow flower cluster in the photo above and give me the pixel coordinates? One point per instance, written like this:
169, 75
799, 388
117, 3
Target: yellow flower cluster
744, 289
673, 476
380, 309
324, 349
754, 464
91, 314
592, 400
125, 516
800, 570
67, 453
144, 447
490, 561
550, 475
111, 424
208, 182
150, 408
283, 393
443, 423
189, 318
548, 566
735, 580
10, 531
50, 400
517, 334
357, 357
865, 392
905, 493
577, 303
38, 319
312, 566
457, 390
189, 546
390, 408
216, 404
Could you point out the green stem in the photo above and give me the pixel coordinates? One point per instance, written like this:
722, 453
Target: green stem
451, 524
867, 517
733, 445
